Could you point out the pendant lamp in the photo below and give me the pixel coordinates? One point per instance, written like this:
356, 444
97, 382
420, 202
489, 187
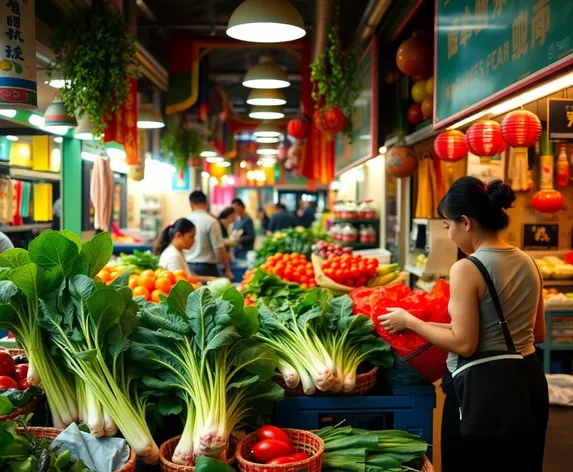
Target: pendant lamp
148, 118
214, 159
266, 97
266, 113
267, 74
268, 161
266, 21
57, 114
84, 131
267, 130
267, 150
267, 140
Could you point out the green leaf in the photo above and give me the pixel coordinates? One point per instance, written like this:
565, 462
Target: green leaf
177, 299
81, 287
122, 280
72, 237
30, 279
105, 307
256, 359
224, 337
88, 355
5, 406
156, 318
19, 398
7, 291
169, 406
52, 249
245, 319
207, 464
97, 252
14, 258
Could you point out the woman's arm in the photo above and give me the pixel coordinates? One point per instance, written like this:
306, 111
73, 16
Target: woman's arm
441, 325
463, 336
540, 328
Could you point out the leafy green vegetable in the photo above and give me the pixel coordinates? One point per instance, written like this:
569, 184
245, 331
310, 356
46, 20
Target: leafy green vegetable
207, 464
268, 285
5, 406
19, 398
218, 286
138, 261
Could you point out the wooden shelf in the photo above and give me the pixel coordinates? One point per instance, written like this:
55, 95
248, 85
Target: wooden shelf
361, 245
25, 173
23, 228
557, 282
357, 221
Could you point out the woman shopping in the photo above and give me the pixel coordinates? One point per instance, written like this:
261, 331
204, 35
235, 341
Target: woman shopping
496, 408
176, 238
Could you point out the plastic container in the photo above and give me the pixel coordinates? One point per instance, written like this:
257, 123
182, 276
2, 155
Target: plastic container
349, 234
366, 211
350, 211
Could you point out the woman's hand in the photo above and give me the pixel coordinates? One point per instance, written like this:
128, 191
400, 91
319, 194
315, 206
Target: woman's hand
396, 320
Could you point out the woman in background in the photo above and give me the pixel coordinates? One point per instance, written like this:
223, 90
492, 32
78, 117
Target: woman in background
176, 238
226, 218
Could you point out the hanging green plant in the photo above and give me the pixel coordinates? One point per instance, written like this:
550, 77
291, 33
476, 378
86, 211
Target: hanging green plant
335, 86
95, 53
179, 143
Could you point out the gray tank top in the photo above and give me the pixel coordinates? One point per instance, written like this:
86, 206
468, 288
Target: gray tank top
518, 286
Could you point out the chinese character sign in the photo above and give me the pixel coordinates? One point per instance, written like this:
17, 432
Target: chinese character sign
18, 88
487, 47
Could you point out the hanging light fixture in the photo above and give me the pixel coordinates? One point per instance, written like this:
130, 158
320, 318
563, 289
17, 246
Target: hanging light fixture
266, 97
266, 113
267, 130
267, 140
84, 131
214, 159
263, 21
57, 114
268, 161
266, 75
208, 151
224, 164
267, 150
148, 118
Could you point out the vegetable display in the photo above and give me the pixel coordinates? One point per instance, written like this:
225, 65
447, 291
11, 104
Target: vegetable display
15, 390
293, 268
350, 270
358, 450
138, 261
154, 284
319, 342
257, 284
324, 249
274, 447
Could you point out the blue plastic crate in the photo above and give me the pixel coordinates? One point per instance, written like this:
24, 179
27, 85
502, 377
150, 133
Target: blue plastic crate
408, 408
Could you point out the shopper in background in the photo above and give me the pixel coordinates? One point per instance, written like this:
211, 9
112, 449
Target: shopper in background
474, 217
264, 219
209, 247
226, 218
282, 219
245, 224
307, 214
176, 238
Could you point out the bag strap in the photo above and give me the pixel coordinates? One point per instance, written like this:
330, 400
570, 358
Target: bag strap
496, 302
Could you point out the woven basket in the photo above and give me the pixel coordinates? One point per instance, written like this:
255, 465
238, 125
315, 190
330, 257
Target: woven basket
304, 441
52, 433
16, 352
364, 383
168, 448
427, 466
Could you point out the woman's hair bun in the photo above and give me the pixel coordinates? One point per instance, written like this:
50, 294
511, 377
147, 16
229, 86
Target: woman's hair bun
500, 194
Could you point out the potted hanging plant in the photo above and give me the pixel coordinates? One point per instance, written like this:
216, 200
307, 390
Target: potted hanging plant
335, 88
95, 53
181, 144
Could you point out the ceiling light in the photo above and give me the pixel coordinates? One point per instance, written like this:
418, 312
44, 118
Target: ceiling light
205, 175
243, 164
383, 150
262, 21
267, 150
58, 139
57, 114
8, 113
214, 159
58, 83
148, 118
84, 131
266, 97
268, 161
266, 75
11, 137
266, 113
209, 151
224, 164
62, 130
267, 130
36, 120
267, 140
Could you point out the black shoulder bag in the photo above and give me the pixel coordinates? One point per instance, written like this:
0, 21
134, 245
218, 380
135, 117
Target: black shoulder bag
492, 386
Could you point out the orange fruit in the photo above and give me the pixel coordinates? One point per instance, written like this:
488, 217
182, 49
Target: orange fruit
168, 275
147, 281
163, 284
141, 292
158, 271
155, 296
192, 280
133, 281
181, 277
114, 275
180, 273
147, 273
104, 275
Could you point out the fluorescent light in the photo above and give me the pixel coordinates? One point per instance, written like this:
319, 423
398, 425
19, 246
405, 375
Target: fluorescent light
214, 160
267, 130
268, 161
266, 113
243, 164
36, 120
58, 139
208, 153
267, 150
261, 139
11, 137
8, 113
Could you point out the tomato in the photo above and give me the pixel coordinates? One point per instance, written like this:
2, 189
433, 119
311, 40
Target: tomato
133, 283
300, 456
362, 280
339, 274
155, 296
149, 272
282, 460
20, 372
7, 364
163, 284
141, 292
147, 281
167, 275
269, 449
288, 274
23, 384
272, 432
104, 275
9, 382
181, 277
304, 279
180, 273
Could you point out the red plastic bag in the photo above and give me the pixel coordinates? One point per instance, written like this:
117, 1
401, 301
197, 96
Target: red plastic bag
427, 360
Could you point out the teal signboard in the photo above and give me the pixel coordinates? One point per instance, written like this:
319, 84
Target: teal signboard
487, 48
364, 132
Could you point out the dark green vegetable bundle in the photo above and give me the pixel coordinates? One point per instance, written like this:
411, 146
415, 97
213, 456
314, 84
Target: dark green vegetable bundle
268, 285
12, 398
138, 261
359, 450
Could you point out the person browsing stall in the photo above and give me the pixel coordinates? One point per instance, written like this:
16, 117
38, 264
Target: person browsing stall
496, 409
226, 218
245, 224
282, 219
209, 247
176, 238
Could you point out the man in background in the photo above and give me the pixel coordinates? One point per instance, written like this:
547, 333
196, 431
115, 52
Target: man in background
245, 223
282, 219
307, 214
209, 247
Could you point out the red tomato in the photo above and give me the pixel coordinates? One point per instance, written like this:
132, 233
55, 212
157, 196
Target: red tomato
282, 460
269, 449
272, 432
9, 382
288, 273
23, 384
300, 456
363, 280
20, 372
7, 364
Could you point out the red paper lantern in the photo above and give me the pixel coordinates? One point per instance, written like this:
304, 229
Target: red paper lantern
330, 120
414, 58
547, 201
401, 161
415, 115
521, 128
484, 140
298, 127
450, 146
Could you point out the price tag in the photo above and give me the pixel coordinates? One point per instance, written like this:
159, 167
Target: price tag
539, 236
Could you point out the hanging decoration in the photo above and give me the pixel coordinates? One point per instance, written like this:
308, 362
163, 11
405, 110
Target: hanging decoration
57, 114
298, 127
547, 199
18, 87
521, 129
450, 146
484, 140
414, 58
430, 190
180, 142
401, 161
415, 114
330, 120
137, 172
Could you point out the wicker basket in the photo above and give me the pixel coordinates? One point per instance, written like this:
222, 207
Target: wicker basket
16, 352
52, 433
427, 466
304, 441
168, 448
364, 383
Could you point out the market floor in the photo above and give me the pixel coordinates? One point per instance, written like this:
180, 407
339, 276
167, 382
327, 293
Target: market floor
559, 445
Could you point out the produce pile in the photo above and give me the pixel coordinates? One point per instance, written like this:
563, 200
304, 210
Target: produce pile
350, 270
154, 284
274, 447
298, 240
325, 249
138, 261
257, 283
13, 372
293, 268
